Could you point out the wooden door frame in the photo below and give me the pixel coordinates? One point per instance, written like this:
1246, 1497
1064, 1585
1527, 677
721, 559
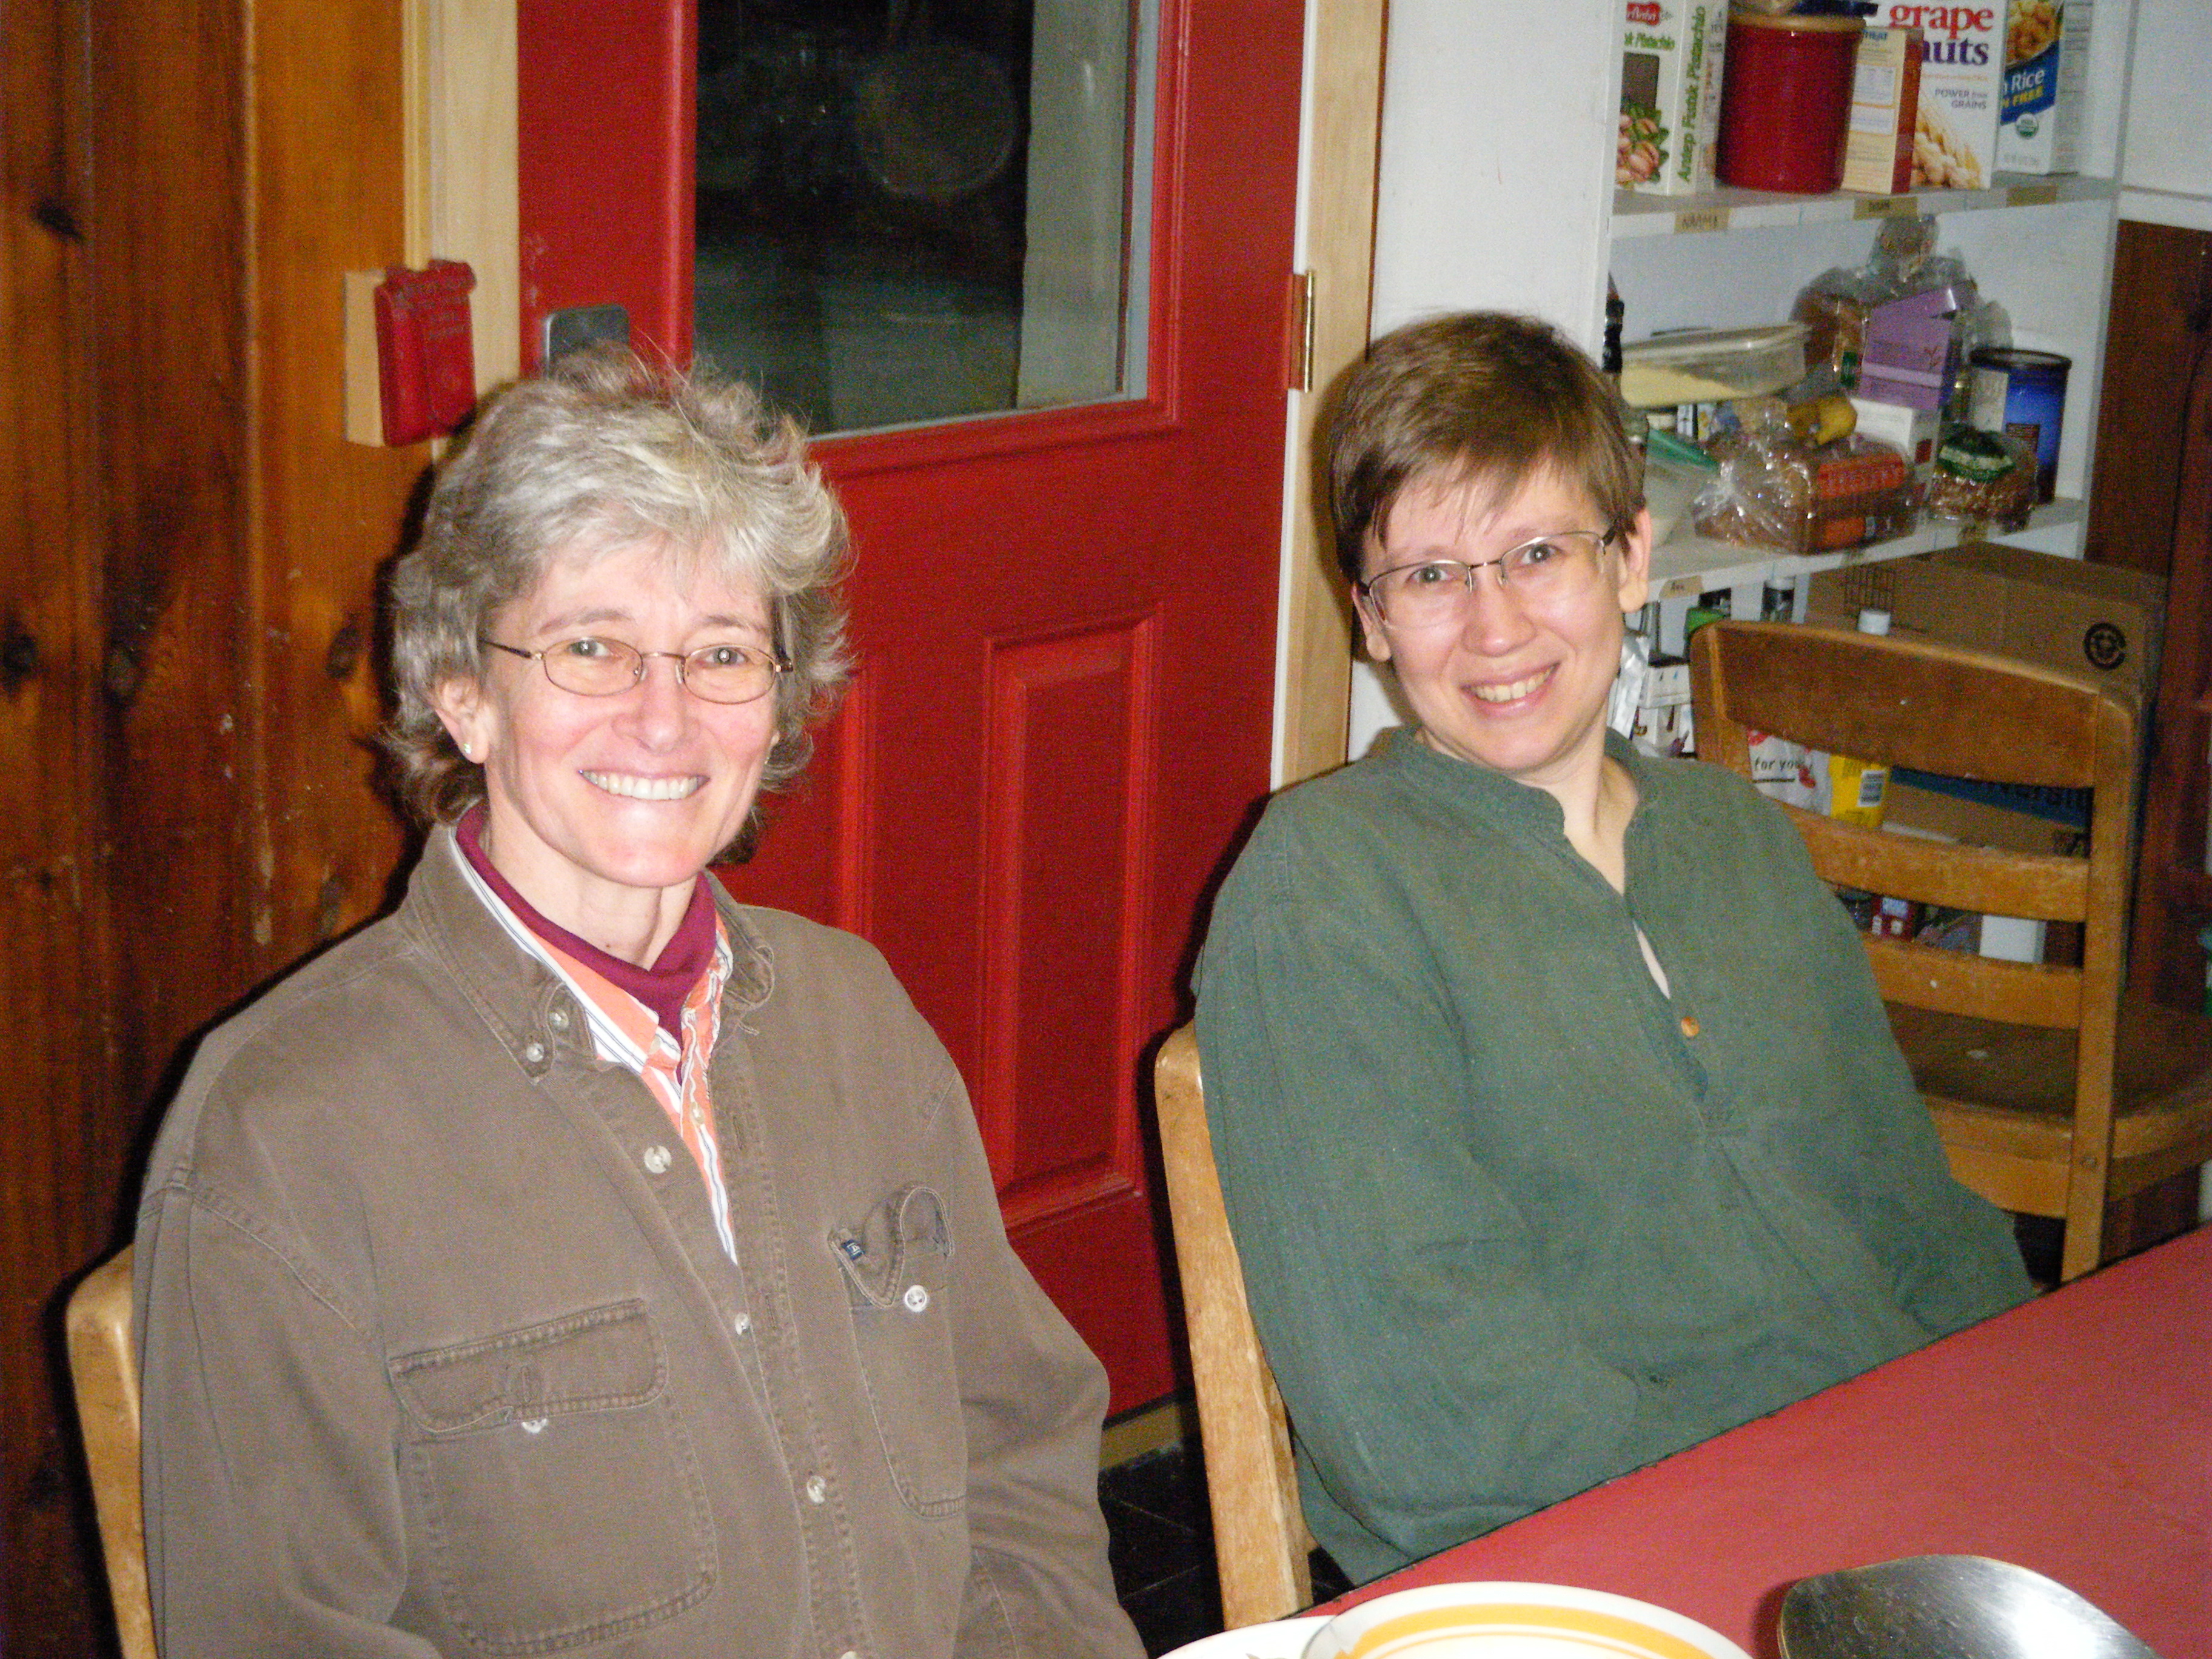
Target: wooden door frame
462, 203
1343, 126
463, 195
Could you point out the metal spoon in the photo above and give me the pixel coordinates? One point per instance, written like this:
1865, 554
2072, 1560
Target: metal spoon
1947, 1607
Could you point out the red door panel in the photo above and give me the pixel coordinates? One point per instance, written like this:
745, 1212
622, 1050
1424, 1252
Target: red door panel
1066, 621
606, 118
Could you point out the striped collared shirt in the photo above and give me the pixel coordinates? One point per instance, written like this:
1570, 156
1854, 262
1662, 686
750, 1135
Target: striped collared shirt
627, 1033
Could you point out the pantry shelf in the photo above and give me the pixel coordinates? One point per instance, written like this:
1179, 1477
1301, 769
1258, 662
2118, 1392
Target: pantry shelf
1728, 208
1687, 565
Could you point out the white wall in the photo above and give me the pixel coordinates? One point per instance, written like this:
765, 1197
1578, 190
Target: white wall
1479, 97
2167, 166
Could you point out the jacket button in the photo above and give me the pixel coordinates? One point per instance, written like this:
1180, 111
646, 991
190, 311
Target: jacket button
1690, 1026
741, 1323
916, 1298
656, 1159
558, 1019
817, 1489
533, 1053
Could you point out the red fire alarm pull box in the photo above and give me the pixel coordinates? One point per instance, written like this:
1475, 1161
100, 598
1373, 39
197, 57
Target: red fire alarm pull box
425, 357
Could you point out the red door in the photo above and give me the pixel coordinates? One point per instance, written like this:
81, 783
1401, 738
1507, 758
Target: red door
1065, 621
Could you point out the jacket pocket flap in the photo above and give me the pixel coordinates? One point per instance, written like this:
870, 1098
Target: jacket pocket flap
600, 1359
904, 1236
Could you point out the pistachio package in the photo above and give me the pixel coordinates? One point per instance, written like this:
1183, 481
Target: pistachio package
1670, 92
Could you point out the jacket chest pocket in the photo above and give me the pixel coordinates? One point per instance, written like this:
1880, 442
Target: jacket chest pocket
898, 1292
555, 1489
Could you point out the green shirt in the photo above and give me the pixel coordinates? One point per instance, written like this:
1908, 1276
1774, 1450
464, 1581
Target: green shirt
1513, 1220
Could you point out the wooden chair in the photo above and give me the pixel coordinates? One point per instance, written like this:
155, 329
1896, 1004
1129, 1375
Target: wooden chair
1259, 1537
103, 1362
2054, 1094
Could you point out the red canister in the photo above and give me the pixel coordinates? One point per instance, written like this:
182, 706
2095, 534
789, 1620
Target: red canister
1786, 101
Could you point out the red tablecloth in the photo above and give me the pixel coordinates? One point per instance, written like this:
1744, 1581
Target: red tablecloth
2073, 1436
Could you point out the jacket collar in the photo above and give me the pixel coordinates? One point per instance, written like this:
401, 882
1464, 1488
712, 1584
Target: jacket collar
526, 1006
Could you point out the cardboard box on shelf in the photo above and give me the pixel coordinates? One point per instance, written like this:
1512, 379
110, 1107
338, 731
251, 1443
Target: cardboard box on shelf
1907, 354
2101, 622
1910, 431
1943, 807
1961, 87
2046, 79
1670, 95
1662, 718
1885, 109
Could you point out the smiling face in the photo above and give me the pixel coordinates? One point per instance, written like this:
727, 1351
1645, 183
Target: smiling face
1514, 684
602, 810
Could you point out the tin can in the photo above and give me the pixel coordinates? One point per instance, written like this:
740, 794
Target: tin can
2023, 392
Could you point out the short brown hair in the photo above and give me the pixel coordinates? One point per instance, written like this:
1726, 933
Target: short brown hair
605, 450
1480, 397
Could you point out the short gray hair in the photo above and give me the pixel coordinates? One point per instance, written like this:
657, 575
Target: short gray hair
602, 452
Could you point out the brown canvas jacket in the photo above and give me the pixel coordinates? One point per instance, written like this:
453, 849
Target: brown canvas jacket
441, 1355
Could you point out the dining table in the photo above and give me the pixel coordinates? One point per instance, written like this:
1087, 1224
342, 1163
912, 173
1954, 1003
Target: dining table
2072, 1436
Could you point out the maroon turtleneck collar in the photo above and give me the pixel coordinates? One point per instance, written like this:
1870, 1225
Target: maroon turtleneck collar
662, 987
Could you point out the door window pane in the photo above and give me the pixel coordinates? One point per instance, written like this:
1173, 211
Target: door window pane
912, 210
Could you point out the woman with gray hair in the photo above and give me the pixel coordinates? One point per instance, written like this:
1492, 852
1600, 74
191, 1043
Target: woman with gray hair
575, 1260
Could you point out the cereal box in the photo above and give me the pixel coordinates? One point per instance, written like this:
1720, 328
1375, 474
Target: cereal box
1961, 84
1670, 87
1885, 110
2046, 75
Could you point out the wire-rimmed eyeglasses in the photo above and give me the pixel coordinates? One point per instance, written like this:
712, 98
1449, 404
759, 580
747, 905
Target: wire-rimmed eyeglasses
592, 666
1436, 591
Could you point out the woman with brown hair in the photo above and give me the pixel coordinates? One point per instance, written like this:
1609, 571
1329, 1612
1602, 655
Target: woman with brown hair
1559, 1122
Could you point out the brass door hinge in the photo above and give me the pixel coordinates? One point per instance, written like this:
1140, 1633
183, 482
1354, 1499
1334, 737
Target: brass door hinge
1298, 333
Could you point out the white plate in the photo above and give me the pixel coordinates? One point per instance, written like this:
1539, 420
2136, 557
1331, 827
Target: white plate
1513, 1621
1285, 1639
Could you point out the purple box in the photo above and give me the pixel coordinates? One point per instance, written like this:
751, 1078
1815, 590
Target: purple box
1907, 355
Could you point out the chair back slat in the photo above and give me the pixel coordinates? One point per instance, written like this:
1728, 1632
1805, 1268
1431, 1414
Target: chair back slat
104, 1370
1974, 986
1913, 703
1260, 1538
1989, 882
1962, 714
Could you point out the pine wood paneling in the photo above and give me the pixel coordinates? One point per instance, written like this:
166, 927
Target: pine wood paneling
168, 236
56, 1116
187, 599
328, 195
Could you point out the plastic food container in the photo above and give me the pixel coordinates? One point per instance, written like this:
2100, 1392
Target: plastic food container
1674, 473
1786, 104
1712, 364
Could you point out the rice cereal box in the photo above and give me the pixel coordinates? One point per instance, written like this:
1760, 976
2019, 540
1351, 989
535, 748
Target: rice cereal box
1670, 91
2046, 75
1961, 85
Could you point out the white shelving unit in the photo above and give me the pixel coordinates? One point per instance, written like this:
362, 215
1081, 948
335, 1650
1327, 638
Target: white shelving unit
1688, 565
1497, 192
1728, 208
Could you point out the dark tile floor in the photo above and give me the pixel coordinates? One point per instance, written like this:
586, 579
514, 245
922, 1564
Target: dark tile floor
1161, 1543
